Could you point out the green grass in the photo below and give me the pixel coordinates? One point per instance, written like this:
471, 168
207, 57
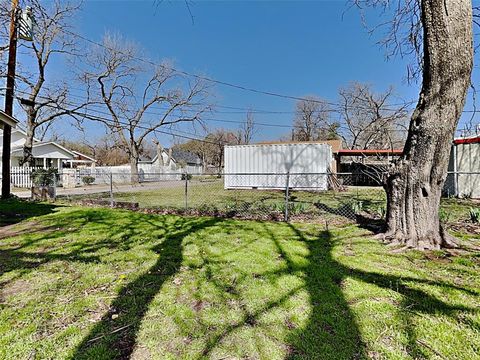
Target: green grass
85, 283
210, 196
333, 206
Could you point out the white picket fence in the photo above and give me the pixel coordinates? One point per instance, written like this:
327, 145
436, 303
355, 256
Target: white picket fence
21, 176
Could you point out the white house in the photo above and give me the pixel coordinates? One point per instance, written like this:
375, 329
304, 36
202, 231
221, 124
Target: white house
80, 161
181, 161
46, 154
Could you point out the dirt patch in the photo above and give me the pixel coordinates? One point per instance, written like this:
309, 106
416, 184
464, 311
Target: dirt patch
464, 227
13, 288
14, 230
141, 353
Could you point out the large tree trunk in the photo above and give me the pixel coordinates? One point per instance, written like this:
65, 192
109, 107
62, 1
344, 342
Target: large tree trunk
415, 182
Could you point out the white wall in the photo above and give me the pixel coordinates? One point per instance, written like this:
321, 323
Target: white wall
468, 161
308, 165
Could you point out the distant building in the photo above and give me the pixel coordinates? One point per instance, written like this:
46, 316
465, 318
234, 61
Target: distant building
179, 160
80, 161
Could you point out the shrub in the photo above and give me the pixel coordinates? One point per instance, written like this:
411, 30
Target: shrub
88, 180
44, 177
475, 215
298, 208
278, 207
356, 206
187, 176
444, 215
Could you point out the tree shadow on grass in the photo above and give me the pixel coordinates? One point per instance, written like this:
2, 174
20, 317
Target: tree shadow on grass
332, 333
13, 211
117, 330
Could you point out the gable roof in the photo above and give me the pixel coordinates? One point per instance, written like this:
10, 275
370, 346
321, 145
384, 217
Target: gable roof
39, 145
83, 155
186, 156
179, 155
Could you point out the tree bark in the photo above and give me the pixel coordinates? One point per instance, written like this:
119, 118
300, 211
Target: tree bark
415, 182
134, 157
28, 146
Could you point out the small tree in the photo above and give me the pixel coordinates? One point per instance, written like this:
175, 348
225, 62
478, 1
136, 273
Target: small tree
246, 132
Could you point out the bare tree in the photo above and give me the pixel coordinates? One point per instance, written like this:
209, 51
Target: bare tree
369, 120
43, 104
247, 130
312, 119
128, 89
440, 32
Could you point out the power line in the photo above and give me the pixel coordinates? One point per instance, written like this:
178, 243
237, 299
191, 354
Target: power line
78, 113
212, 80
214, 119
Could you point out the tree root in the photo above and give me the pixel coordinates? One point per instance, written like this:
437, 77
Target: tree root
395, 239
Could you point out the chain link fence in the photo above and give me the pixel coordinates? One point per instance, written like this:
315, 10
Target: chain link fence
319, 197
279, 196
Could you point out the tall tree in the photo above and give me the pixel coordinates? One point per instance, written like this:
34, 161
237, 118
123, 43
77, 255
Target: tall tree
129, 89
441, 32
369, 119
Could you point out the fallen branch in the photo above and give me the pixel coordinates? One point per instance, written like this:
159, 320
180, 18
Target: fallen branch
431, 349
110, 333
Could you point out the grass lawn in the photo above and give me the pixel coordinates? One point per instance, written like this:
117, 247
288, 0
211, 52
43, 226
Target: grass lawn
333, 206
92, 283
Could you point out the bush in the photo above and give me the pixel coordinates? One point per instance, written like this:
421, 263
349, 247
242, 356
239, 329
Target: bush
444, 215
278, 207
88, 180
188, 176
475, 215
357, 207
298, 208
44, 177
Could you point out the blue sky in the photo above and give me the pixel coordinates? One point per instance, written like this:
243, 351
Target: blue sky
294, 48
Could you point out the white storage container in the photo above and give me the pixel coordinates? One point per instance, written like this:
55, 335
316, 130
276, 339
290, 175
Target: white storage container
264, 166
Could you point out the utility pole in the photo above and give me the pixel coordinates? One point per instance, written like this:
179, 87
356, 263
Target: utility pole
9, 95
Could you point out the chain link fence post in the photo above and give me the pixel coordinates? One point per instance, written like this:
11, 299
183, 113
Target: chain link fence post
186, 190
287, 195
111, 190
